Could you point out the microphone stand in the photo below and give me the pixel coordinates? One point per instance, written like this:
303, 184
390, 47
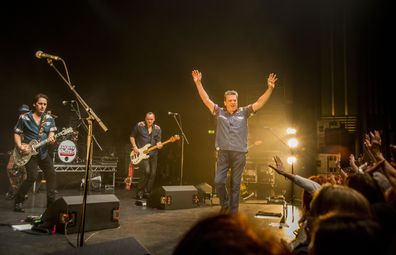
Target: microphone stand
78, 113
182, 146
88, 162
283, 219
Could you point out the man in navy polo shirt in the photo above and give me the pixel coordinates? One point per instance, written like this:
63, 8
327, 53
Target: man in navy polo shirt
231, 138
36, 125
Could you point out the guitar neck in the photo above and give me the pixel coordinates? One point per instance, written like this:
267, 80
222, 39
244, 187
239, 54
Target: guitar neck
156, 146
40, 144
43, 142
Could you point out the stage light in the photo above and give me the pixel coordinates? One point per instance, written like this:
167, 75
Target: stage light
291, 160
292, 142
291, 131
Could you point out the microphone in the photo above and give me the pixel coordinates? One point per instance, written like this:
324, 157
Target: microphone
49, 112
173, 113
68, 102
40, 54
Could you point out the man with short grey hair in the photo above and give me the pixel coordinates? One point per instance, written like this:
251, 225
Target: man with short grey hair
231, 138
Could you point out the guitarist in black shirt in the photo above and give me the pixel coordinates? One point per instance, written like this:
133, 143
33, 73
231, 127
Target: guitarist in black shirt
146, 132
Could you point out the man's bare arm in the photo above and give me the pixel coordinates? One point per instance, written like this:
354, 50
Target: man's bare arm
271, 80
24, 148
134, 146
197, 77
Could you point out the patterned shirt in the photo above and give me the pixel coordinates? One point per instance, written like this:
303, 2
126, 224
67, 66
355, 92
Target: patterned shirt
28, 127
142, 137
232, 129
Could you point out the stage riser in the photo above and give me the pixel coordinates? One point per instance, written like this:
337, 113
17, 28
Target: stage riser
70, 176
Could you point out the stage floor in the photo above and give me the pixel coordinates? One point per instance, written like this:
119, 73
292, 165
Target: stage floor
157, 230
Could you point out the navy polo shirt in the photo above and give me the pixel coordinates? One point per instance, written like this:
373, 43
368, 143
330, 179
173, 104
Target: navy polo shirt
29, 129
142, 136
232, 129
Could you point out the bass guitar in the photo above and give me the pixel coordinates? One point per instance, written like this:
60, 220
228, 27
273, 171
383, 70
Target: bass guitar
144, 151
20, 159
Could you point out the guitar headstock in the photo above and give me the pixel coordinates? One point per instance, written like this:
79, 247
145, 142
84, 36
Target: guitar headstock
175, 138
66, 131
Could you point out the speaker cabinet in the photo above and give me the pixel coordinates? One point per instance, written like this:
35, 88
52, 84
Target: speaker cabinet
125, 246
174, 197
102, 212
205, 193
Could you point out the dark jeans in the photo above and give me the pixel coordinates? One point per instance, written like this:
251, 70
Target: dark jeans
235, 161
32, 173
149, 169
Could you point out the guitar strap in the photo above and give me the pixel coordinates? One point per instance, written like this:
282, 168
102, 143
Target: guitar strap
40, 134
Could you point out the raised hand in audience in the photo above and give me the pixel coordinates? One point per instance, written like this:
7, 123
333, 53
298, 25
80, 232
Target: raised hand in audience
352, 163
372, 142
280, 169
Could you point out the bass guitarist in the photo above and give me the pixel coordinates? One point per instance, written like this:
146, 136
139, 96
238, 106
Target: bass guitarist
36, 125
146, 132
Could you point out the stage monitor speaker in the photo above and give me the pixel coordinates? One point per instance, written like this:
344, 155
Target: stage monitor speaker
125, 246
102, 212
174, 197
204, 192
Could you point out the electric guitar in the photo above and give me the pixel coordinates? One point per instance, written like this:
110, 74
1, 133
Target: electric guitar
21, 159
143, 152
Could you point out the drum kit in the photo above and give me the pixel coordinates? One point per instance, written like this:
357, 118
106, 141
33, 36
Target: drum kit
70, 147
67, 150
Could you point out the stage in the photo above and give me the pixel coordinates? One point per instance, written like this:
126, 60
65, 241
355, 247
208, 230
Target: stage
157, 231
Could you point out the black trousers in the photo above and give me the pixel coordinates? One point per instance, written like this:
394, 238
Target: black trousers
47, 166
149, 169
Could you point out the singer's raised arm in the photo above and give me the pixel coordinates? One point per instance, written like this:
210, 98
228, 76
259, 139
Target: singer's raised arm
197, 77
271, 80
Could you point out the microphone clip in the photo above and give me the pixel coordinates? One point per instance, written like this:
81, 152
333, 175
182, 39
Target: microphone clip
64, 102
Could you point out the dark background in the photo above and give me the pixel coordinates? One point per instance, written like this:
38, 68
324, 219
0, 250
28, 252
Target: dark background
130, 57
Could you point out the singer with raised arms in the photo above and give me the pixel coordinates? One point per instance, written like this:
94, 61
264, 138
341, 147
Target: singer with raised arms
231, 138
143, 133
35, 125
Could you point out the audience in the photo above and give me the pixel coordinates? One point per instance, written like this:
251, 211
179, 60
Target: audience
229, 234
344, 233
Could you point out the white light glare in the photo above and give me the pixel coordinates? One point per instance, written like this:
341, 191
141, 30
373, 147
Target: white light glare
292, 142
291, 160
291, 131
